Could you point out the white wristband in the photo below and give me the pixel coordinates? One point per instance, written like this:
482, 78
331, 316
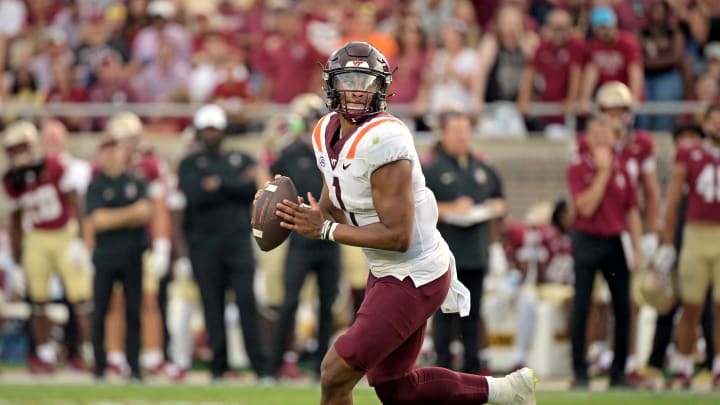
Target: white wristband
331, 234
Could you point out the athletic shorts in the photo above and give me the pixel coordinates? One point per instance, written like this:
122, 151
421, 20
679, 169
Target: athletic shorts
386, 337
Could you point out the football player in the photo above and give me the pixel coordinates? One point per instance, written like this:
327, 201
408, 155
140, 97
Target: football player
635, 149
45, 238
374, 196
697, 169
146, 165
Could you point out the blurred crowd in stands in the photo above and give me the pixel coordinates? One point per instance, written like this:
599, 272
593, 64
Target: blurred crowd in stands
464, 52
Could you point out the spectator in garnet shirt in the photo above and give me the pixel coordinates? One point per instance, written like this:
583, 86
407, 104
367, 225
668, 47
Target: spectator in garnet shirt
611, 55
112, 85
555, 68
162, 78
288, 62
412, 59
65, 89
605, 202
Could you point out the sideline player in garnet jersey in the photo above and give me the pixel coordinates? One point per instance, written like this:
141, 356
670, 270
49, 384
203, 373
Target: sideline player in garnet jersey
697, 167
146, 165
635, 149
45, 235
375, 197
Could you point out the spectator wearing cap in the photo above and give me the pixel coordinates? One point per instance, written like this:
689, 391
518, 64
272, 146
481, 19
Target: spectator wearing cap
663, 51
611, 55
555, 68
218, 189
284, 56
162, 28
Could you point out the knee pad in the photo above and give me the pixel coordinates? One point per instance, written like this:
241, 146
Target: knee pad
83, 307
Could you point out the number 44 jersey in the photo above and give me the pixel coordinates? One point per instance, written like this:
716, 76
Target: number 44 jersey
702, 163
41, 193
347, 163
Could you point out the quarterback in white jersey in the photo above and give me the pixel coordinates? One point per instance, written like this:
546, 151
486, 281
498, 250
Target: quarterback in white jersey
375, 197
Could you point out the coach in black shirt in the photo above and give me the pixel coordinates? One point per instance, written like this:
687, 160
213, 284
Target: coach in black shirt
117, 210
219, 188
469, 194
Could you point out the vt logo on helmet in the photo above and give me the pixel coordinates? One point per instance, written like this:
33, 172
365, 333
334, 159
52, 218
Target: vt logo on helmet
356, 80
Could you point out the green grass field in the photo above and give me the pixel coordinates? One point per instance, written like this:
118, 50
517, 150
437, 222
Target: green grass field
33, 394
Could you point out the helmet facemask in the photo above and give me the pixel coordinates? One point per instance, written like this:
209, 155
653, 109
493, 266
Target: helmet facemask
356, 95
356, 79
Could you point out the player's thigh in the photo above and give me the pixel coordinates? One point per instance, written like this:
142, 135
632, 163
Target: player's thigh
150, 282
600, 291
37, 261
272, 267
354, 266
76, 277
716, 279
693, 269
392, 312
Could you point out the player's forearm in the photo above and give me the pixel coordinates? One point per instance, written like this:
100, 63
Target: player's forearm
589, 200
652, 209
105, 219
88, 233
16, 236
373, 236
634, 227
160, 219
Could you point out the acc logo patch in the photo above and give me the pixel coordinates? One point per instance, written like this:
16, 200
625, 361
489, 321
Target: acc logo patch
131, 191
447, 178
235, 159
108, 194
480, 176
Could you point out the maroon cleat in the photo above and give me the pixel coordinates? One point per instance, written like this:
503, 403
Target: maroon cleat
157, 369
290, 371
175, 372
635, 379
37, 366
76, 364
680, 380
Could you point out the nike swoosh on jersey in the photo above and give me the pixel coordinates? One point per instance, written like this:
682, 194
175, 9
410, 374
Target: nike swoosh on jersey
345, 166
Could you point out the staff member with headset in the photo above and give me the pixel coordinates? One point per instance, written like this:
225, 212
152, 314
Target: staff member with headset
605, 202
305, 255
469, 194
218, 189
117, 209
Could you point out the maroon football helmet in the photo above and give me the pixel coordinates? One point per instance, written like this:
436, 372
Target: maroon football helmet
356, 79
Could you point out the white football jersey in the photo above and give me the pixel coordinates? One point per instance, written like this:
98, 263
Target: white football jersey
347, 167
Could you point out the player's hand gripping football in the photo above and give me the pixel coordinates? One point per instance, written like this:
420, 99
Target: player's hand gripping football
304, 219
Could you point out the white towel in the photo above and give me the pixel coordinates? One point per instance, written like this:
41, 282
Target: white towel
458, 297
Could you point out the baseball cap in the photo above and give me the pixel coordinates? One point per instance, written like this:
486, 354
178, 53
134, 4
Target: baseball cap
161, 8
603, 16
712, 50
210, 116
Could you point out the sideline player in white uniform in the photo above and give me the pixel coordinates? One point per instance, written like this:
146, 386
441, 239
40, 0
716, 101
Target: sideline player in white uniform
375, 197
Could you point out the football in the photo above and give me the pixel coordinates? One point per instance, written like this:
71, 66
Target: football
265, 223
